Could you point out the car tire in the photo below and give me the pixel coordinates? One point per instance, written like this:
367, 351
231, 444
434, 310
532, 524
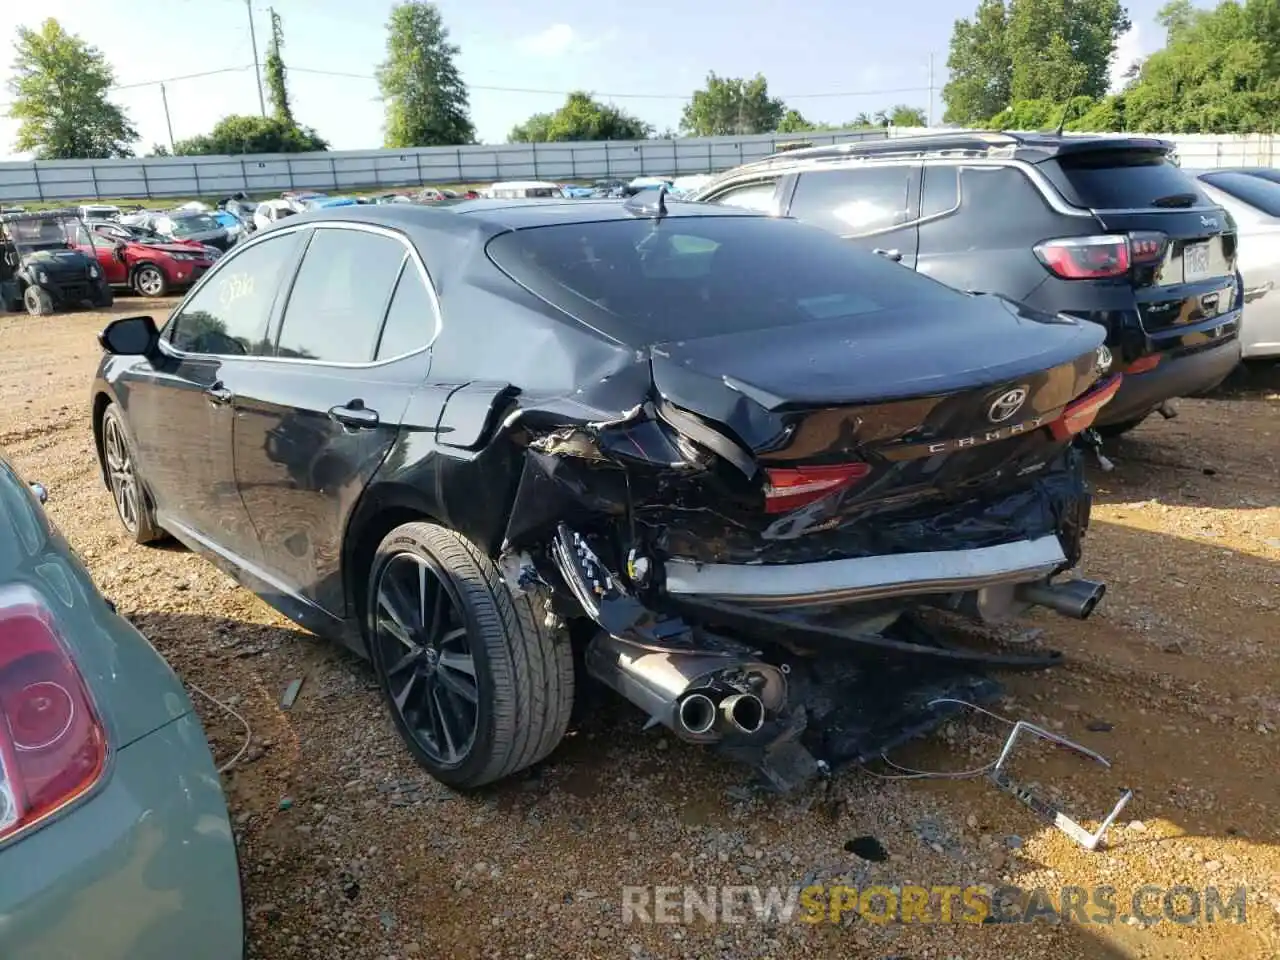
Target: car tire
1122, 427
150, 281
133, 506
37, 301
479, 686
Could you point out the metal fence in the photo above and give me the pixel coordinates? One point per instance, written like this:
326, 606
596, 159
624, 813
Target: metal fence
153, 177
257, 174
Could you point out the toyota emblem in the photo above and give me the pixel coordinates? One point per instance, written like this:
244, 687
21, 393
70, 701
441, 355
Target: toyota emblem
1007, 404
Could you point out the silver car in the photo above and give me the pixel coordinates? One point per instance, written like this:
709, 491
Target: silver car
187, 225
1252, 196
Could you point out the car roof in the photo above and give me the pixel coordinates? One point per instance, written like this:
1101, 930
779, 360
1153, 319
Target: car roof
499, 216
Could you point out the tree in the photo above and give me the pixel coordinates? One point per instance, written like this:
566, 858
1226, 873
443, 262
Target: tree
1061, 49
794, 122
730, 106
980, 68
252, 134
1219, 72
581, 118
277, 90
426, 100
59, 85
158, 150
901, 115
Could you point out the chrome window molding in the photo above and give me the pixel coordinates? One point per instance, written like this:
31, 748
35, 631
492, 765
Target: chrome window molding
411, 251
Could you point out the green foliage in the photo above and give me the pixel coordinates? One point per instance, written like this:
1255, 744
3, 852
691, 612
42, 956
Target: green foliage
59, 85
1060, 49
901, 115
1030, 50
1041, 114
238, 134
277, 89
1219, 73
581, 118
729, 106
158, 150
980, 68
426, 100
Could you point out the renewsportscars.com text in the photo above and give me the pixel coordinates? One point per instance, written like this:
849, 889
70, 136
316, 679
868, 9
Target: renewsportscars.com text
1147, 904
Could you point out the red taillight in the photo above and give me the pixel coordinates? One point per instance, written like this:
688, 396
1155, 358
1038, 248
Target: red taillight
53, 746
1148, 246
1086, 258
789, 488
1079, 415
1143, 364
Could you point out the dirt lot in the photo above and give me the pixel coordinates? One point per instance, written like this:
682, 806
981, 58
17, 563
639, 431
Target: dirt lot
350, 852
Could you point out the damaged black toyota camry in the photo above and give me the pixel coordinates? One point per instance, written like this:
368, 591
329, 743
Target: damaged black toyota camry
699, 454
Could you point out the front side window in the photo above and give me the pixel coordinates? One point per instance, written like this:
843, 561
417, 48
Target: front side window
854, 201
228, 314
337, 303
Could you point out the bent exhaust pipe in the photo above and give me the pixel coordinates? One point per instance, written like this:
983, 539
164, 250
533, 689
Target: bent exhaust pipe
742, 712
1074, 598
696, 714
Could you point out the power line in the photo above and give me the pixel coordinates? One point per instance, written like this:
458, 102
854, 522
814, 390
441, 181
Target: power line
627, 96
189, 76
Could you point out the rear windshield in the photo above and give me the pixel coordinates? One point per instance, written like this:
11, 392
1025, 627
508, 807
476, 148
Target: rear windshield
195, 223
689, 277
1125, 180
1258, 193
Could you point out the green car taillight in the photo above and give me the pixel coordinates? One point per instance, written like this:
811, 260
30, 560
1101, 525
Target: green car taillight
53, 746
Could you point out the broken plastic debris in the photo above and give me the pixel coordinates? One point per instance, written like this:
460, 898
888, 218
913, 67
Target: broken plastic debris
291, 694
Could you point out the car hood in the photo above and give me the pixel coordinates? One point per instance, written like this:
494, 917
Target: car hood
175, 246
978, 340
133, 687
58, 261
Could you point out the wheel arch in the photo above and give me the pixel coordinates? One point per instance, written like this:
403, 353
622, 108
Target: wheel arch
382, 508
101, 400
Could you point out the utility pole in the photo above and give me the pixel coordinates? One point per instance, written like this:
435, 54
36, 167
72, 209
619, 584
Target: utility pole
257, 66
164, 98
930, 112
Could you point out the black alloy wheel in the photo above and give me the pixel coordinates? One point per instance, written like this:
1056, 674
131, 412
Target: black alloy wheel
132, 506
479, 681
429, 669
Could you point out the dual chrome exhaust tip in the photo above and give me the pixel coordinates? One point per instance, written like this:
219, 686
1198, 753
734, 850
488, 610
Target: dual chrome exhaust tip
700, 714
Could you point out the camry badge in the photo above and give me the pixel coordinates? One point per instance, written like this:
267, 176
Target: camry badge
1007, 404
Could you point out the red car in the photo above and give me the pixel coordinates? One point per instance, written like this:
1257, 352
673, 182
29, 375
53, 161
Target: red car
151, 265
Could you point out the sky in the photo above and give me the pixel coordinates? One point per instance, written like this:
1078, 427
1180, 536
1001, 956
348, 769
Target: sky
829, 59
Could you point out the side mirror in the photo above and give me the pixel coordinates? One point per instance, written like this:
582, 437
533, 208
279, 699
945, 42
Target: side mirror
130, 337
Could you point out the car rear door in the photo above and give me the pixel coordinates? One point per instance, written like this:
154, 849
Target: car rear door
179, 407
313, 425
874, 206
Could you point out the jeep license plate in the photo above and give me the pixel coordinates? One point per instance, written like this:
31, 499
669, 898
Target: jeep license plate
1195, 262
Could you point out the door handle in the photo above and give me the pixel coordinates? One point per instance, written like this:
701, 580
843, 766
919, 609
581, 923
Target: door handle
894, 255
354, 415
218, 394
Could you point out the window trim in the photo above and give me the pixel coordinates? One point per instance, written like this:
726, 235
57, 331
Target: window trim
286, 288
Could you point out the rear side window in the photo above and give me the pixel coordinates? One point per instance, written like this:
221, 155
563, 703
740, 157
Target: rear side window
1258, 193
1123, 180
940, 192
340, 296
411, 320
854, 201
753, 196
228, 315
687, 277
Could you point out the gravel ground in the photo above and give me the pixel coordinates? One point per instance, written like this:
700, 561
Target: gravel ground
349, 851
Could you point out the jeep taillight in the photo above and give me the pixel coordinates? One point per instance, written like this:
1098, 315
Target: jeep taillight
53, 747
1086, 258
790, 488
1094, 258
